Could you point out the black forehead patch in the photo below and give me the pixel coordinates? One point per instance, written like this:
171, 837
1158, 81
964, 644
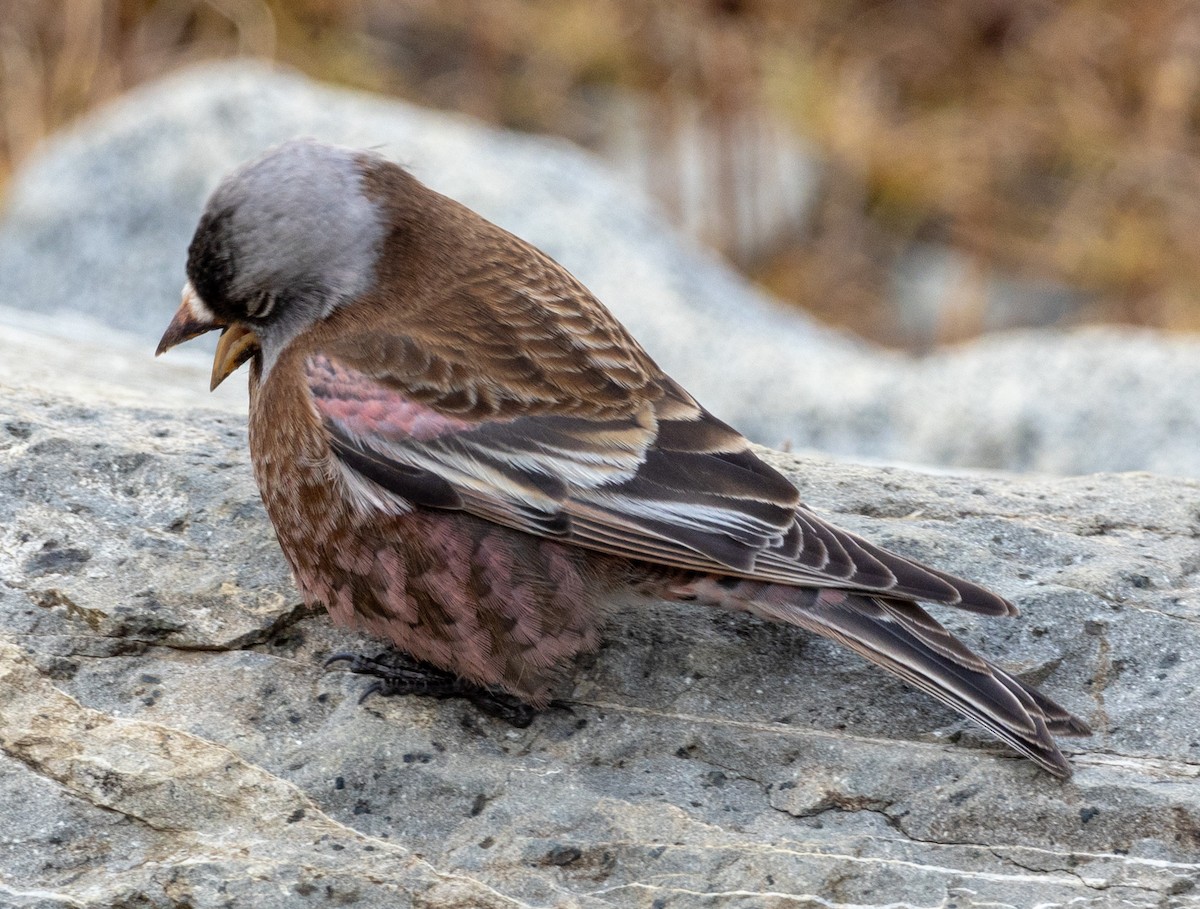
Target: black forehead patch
211, 263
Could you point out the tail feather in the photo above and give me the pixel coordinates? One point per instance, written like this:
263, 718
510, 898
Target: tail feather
1059, 720
899, 636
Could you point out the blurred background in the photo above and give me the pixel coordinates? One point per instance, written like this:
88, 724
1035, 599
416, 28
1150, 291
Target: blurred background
918, 172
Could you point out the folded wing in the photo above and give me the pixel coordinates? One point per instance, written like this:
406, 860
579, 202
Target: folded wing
659, 479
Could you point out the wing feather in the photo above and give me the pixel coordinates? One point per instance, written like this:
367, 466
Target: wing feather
665, 481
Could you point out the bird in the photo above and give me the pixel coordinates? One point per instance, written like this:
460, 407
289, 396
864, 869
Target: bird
466, 455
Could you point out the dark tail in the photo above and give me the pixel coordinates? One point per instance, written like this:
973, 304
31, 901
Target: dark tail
905, 640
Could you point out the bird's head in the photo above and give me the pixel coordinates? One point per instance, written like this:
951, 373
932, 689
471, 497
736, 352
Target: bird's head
284, 240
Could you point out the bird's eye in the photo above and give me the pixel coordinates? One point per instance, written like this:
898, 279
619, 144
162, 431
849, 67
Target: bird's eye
262, 305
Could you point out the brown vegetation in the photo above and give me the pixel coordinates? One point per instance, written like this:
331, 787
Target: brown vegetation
1052, 140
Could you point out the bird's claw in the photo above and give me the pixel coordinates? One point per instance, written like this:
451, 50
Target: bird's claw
373, 688
398, 674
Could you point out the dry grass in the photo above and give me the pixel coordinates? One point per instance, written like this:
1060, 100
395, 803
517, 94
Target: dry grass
1051, 139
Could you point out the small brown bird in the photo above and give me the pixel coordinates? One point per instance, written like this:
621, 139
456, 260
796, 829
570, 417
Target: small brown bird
463, 452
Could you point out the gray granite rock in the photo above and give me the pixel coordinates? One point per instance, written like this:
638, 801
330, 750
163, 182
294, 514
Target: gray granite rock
97, 225
168, 737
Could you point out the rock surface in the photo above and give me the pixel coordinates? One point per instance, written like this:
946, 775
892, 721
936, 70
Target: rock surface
170, 739
99, 221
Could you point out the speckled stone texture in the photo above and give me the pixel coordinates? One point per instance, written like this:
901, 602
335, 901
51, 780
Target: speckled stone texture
170, 739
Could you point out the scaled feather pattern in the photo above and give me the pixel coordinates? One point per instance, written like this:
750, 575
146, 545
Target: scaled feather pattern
463, 452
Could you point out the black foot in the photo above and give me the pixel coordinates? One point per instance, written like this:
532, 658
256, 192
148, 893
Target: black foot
397, 673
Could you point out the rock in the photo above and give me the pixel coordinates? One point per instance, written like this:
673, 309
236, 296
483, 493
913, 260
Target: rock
169, 737
97, 225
